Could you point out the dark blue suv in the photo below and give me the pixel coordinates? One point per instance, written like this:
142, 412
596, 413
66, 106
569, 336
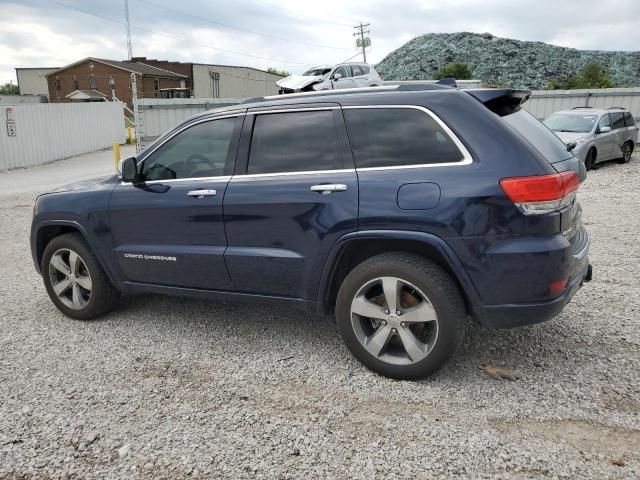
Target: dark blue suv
403, 209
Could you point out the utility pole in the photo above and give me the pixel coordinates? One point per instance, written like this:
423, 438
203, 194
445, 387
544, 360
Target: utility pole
362, 41
128, 26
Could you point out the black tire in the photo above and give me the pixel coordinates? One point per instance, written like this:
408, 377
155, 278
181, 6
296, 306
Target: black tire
627, 150
443, 295
590, 160
102, 297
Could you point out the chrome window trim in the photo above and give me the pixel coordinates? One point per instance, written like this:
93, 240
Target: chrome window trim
221, 178
467, 159
258, 176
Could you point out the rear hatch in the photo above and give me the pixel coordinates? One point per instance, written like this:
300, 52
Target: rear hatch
507, 103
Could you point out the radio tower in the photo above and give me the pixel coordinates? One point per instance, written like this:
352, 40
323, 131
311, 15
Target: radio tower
128, 26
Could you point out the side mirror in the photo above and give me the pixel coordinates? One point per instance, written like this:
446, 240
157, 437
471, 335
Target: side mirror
337, 76
571, 146
128, 170
604, 130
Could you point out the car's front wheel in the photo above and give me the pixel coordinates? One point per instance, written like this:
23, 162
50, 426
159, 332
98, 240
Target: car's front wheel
401, 315
75, 280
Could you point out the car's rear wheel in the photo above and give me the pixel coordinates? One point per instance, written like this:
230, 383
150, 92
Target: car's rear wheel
401, 315
74, 279
627, 150
590, 159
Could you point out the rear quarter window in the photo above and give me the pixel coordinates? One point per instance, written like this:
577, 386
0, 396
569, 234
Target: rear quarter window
538, 135
628, 120
394, 137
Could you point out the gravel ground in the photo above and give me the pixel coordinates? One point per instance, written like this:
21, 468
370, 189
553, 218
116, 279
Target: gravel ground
173, 388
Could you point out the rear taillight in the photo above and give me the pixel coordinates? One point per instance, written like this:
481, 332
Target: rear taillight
543, 193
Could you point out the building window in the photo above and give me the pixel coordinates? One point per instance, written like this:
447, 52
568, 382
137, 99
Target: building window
75, 83
56, 82
93, 83
156, 84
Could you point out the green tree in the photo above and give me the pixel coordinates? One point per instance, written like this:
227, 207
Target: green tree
592, 75
275, 71
457, 70
9, 89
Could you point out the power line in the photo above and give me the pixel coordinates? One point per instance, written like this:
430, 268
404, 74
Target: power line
214, 22
290, 12
166, 35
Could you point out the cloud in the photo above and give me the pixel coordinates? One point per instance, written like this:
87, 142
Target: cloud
44, 33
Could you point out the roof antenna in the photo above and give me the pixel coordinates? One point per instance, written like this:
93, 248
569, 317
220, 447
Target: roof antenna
128, 26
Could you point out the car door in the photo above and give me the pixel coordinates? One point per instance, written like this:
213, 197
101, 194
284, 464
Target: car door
619, 132
604, 140
346, 79
294, 194
169, 229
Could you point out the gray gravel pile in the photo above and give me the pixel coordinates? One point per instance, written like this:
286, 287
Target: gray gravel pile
169, 388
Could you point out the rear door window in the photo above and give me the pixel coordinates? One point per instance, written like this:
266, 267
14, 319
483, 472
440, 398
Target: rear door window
617, 120
394, 137
294, 142
538, 135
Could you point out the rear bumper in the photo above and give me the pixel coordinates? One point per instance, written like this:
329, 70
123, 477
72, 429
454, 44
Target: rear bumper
517, 315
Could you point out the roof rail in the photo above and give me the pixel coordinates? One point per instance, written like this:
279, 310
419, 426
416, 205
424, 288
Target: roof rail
615, 108
346, 91
577, 108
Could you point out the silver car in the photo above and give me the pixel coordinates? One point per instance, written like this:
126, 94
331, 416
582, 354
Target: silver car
599, 134
327, 77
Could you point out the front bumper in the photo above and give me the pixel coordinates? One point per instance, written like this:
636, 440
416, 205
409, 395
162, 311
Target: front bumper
518, 315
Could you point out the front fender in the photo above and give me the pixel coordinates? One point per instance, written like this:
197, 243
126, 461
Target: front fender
447, 255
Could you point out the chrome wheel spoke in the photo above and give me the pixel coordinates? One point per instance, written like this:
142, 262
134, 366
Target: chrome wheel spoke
61, 287
84, 282
76, 297
391, 288
366, 308
423, 312
73, 262
60, 265
414, 347
378, 340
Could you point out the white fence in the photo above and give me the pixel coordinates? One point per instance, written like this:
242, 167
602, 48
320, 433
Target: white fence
156, 116
544, 102
41, 133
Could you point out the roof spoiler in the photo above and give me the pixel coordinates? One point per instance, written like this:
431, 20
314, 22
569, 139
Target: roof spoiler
501, 101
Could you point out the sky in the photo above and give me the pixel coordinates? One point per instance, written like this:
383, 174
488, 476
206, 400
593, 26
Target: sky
289, 34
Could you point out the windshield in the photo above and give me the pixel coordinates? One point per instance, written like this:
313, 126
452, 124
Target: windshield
538, 135
316, 72
559, 122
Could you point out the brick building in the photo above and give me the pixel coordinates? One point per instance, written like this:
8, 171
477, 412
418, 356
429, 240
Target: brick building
97, 79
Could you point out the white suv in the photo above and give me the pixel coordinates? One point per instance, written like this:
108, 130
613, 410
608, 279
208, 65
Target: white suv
324, 77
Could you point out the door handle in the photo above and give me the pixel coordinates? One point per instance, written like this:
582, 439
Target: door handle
201, 193
329, 188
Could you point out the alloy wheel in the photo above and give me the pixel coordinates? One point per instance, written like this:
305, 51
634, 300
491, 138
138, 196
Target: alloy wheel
394, 321
626, 153
70, 278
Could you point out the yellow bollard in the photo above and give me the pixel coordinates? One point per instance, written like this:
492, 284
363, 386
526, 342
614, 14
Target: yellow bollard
129, 135
116, 154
